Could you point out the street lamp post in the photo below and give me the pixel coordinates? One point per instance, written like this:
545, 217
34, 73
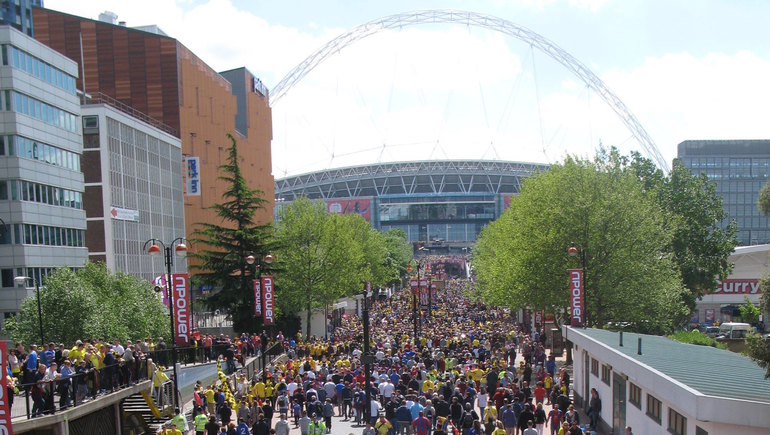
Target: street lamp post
367, 360
267, 259
414, 305
21, 280
154, 248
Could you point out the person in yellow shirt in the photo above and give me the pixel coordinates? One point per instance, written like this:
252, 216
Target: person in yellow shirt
209, 393
170, 430
427, 385
259, 390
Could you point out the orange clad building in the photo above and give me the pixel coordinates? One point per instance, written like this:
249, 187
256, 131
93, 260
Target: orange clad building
158, 76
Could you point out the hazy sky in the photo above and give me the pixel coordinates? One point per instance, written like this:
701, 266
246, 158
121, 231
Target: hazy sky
685, 69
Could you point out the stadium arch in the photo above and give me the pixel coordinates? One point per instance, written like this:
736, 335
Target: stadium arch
441, 16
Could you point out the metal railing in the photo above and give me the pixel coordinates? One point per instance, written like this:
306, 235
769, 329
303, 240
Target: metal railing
100, 98
50, 396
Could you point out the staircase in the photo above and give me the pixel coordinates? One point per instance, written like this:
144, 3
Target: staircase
141, 415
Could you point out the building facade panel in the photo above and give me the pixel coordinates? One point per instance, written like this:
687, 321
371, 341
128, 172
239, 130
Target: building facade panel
158, 76
41, 185
739, 169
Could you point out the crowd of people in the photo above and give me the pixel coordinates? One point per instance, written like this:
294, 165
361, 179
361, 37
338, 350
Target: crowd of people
471, 370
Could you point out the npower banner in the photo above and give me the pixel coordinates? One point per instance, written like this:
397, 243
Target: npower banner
576, 297
257, 299
180, 284
268, 301
5, 409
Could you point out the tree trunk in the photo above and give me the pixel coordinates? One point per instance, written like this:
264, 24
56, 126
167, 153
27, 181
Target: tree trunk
308, 315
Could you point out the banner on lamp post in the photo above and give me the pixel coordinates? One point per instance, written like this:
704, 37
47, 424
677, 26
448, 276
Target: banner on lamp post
182, 319
268, 301
576, 298
257, 298
413, 283
5, 408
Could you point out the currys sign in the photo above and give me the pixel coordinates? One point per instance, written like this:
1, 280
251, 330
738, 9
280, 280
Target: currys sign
577, 303
182, 326
739, 286
5, 409
268, 301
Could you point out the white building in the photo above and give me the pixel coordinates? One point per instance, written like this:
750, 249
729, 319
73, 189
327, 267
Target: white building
751, 264
133, 187
664, 386
41, 186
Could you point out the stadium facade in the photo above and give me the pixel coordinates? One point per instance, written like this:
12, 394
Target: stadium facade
441, 205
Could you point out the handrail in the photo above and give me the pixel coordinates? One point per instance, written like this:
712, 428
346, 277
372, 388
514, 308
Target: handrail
100, 98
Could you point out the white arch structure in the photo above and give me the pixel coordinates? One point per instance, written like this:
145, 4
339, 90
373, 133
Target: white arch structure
478, 20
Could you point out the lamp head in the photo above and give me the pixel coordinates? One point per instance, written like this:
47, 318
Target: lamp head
269, 258
154, 250
21, 280
181, 250
250, 259
572, 250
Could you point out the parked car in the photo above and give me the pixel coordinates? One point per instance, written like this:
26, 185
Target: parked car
711, 331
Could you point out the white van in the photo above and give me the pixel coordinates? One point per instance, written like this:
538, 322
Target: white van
734, 330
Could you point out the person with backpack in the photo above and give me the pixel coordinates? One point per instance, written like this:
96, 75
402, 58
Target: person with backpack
469, 416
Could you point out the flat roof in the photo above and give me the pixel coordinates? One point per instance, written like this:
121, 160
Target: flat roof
710, 371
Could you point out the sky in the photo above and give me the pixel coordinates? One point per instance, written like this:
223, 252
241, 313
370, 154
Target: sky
684, 69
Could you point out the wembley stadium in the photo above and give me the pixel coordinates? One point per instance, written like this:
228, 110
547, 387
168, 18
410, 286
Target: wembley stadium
440, 205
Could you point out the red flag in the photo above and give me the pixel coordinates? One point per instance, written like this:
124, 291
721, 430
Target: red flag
5, 409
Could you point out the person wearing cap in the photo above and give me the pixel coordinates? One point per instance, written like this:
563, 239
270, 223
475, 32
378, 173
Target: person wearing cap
317, 426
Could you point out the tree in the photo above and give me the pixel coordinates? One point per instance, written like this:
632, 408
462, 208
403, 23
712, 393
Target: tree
521, 259
91, 303
759, 347
323, 257
398, 254
220, 250
749, 312
701, 243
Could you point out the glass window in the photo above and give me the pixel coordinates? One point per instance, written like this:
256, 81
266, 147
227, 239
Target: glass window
594, 367
3, 189
635, 395
606, 371
653, 408
677, 424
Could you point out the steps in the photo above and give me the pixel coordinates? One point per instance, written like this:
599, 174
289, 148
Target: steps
137, 412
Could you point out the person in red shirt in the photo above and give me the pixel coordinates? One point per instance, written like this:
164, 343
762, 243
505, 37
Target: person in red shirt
421, 424
499, 398
539, 393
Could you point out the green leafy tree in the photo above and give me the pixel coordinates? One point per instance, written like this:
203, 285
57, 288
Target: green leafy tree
324, 257
758, 346
521, 259
91, 303
398, 254
749, 312
700, 242
221, 249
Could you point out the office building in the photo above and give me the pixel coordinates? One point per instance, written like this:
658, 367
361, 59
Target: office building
132, 168
157, 75
739, 168
41, 183
18, 14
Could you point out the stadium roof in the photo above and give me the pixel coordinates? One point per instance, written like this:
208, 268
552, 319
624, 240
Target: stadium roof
409, 178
